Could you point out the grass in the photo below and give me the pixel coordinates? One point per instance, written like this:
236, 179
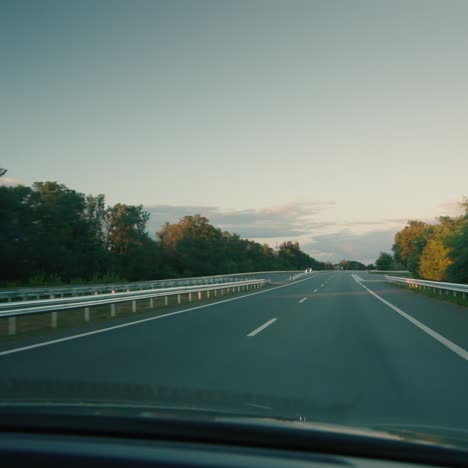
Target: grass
458, 299
41, 324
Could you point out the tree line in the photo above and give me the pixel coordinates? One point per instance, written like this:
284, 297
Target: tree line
434, 251
51, 234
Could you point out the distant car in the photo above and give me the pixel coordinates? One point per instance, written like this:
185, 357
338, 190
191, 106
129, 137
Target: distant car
308, 270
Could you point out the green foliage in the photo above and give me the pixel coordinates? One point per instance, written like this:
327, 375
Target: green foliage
53, 235
409, 244
351, 265
457, 271
384, 261
193, 247
436, 251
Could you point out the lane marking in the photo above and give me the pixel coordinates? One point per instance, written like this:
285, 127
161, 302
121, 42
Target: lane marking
315, 290
302, 300
441, 339
137, 322
255, 405
259, 329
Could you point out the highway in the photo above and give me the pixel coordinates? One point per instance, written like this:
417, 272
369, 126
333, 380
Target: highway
329, 341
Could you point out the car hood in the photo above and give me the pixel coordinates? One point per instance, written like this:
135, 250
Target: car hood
154, 403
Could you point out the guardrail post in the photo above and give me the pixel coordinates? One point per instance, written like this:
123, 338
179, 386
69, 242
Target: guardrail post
151, 302
133, 306
222, 291
208, 294
53, 317
199, 295
464, 295
214, 292
166, 300
454, 293
190, 297
86, 314
12, 325
178, 298
112, 310
238, 288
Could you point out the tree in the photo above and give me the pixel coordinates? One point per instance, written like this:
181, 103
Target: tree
435, 257
134, 254
457, 271
17, 241
291, 257
384, 262
127, 227
409, 244
193, 247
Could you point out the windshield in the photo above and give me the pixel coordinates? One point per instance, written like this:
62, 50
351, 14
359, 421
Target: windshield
241, 208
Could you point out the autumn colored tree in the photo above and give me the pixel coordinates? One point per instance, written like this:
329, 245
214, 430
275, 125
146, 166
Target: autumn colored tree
435, 257
409, 244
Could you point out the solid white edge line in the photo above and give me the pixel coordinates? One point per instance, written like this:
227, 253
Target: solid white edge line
259, 329
136, 322
302, 300
441, 339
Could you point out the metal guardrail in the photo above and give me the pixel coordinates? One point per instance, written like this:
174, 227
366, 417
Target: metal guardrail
50, 305
387, 271
11, 311
25, 293
434, 285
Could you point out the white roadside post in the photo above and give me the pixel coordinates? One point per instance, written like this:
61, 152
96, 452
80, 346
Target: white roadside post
12, 325
53, 317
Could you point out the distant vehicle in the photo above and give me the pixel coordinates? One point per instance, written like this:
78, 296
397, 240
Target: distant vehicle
308, 270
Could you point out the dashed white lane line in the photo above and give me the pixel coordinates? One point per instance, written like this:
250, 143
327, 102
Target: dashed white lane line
315, 290
441, 339
136, 322
302, 300
259, 329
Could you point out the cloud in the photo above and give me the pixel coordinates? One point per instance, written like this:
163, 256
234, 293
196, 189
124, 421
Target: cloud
346, 244
309, 223
451, 208
9, 182
289, 220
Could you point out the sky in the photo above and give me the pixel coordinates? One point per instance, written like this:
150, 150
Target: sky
328, 122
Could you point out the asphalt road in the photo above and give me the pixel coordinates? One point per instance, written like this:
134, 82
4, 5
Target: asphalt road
325, 341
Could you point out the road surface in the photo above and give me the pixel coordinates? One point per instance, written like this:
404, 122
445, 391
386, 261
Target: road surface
353, 348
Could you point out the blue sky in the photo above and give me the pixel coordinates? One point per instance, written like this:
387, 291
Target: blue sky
329, 122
